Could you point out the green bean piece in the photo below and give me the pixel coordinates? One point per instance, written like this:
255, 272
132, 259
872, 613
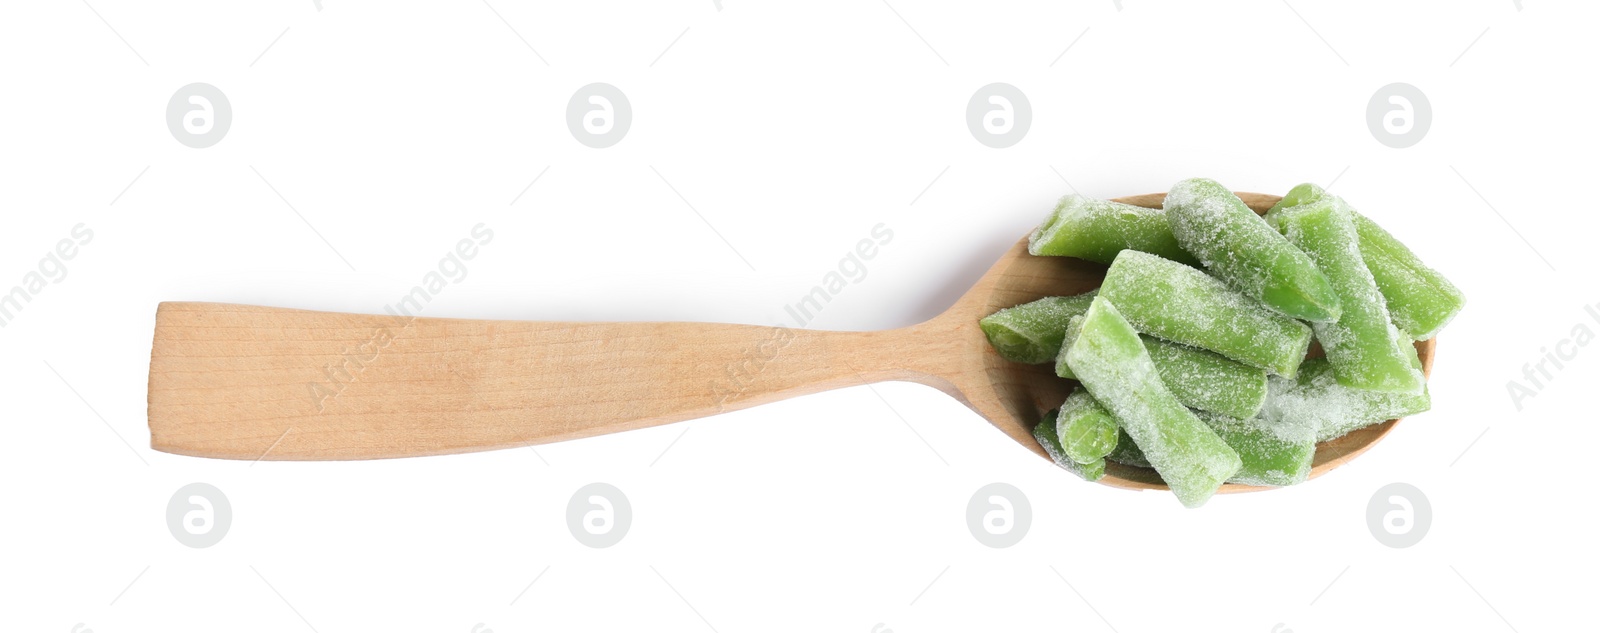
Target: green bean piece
1316, 403
1208, 381
1363, 345
1097, 230
1240, 248
1031, 333
1127, 452
1112, 363
1272, 454
1087, 431
1074, 326
1181, 304
1045, 434
1200, 379
1421, 301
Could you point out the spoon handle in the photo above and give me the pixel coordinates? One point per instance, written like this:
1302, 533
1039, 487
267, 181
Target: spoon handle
246, 382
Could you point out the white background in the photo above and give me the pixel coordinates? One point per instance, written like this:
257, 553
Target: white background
393, 128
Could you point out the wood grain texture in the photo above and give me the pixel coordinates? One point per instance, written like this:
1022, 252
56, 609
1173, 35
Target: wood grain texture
246, 382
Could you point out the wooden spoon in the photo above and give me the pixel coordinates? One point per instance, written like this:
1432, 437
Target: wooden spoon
245, 382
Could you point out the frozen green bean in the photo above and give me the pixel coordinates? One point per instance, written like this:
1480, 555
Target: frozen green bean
1127, 452
1097, 230
1031, 333
1316, 403
1421, 301
1363, 346
1240, 248
1086, 430
1272, 454
1112, 363
1074, 326
1045, 433
1207, 381
1181, 304
1200, 379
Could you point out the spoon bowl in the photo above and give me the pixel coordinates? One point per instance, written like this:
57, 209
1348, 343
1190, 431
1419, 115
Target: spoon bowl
1024, 392
247, 382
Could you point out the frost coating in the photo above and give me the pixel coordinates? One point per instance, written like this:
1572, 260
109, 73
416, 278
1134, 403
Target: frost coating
1316, 404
